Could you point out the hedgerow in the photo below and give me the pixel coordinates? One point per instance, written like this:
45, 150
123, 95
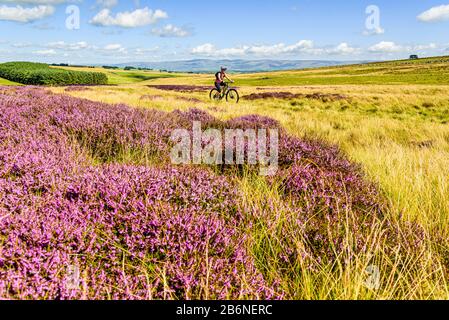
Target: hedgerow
41, 74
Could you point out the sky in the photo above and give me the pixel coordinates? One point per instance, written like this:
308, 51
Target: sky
119, 31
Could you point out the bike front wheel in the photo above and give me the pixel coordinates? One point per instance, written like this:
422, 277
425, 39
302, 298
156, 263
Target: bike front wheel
232, 96
215, 95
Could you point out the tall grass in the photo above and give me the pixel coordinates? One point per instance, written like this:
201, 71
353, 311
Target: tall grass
408, 274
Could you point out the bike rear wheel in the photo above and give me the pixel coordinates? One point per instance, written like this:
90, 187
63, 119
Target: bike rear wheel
215, 95
233, 96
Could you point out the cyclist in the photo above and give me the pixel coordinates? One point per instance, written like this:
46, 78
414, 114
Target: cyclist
220, 76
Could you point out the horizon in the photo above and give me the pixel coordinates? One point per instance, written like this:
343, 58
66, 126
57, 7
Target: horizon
114, 32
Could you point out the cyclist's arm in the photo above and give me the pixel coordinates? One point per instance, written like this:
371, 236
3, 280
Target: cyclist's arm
226, 76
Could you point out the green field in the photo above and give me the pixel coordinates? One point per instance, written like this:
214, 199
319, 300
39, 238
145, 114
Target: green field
423, 71
5, 82
120, 76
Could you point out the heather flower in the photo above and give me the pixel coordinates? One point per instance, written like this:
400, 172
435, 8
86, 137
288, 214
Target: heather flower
134, 232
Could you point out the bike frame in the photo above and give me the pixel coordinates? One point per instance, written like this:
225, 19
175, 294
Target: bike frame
225, 89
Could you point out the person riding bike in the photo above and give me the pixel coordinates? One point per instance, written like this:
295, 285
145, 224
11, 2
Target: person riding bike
220, 77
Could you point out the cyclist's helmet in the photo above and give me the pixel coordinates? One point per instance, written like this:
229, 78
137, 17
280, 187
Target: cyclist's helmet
224, 69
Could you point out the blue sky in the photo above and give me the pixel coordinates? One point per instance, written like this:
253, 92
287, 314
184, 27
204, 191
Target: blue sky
115, 31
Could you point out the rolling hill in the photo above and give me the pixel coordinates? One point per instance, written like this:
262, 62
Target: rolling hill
243, 66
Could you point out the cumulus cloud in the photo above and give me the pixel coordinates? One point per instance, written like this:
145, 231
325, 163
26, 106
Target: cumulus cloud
170, 31
391, 47
343, 49
301, 47
22, 14
385, 47
128, 19
113, 48
439, 13
209, 49
206, 48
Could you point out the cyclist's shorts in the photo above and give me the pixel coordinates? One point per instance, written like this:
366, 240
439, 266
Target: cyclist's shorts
218, 85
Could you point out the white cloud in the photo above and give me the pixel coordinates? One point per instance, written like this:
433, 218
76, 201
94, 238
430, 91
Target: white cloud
206, 48
301, 47
114, 48
439, 13
391, 47
386, 47
21, 14
305, 46
170, 31
50, 52
343, 49
127, 19
68, 46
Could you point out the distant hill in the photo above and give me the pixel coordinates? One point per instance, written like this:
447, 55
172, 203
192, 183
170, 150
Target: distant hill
433, 70
243, 66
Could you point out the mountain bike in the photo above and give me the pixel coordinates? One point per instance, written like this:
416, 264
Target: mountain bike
227, 92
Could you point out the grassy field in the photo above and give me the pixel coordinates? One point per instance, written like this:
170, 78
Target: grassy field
120, 76
392, 119
424, 71
5, 82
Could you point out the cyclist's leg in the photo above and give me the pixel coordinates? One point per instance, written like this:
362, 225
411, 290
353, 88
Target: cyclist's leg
225, 87
218, 86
